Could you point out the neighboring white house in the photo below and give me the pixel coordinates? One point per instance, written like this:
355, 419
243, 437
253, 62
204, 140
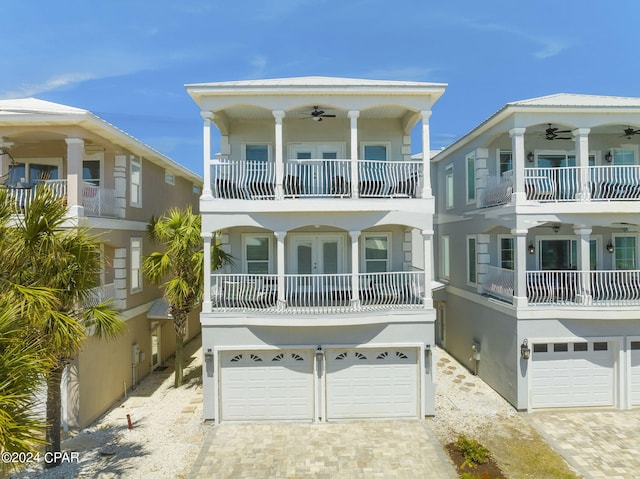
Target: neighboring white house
112, 184
326, 312
537, 224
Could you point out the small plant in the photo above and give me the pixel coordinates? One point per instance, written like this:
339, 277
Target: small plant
473, 452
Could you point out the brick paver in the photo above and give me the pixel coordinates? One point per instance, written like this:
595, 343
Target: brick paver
598, 444
348, 450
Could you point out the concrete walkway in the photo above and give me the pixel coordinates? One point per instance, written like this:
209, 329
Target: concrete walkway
598, 444
363, 449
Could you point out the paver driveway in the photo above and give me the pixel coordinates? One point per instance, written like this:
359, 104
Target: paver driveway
598, 444
362, 449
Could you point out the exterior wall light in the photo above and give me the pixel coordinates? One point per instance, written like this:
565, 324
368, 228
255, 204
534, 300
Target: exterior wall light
608, 157
530, 157
208, 356
610, 247
531, 248
525, 351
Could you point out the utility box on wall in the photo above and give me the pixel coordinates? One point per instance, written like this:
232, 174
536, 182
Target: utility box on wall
135, 354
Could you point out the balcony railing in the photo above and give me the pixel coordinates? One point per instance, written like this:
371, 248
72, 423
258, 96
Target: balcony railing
499, 282
317, 293
100, 294
96, 201
314, 178
598, 183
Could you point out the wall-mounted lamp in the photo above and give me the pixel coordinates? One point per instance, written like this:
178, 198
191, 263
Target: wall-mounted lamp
525, 352
319, 351
530, 157
608, 157
531, 248
208, 356
610, 247
555, 228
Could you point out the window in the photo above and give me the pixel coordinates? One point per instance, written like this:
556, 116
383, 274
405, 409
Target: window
470, 161
136, 264
376, 253
601, 346
195, 189
375, 152
625, 252
256, 153
30, 171
135, 182
445, 257
448, 186
540, 348
256, 251
623, 157
505, 162
169, 178
91, 172
580, 346
563, 254
506, 252
471, 260
560, 347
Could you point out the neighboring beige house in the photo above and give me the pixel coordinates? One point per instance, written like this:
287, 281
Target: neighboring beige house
113, 184
538, 234
326, 312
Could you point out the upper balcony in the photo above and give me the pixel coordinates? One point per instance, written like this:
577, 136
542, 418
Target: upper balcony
316, 178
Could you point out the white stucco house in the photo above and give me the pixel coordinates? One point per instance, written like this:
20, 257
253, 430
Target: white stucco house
326, 312
537, 225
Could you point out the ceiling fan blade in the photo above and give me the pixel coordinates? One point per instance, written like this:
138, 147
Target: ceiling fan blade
328, 116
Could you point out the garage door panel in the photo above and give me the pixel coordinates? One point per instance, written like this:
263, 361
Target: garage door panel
257, 385
572, 378
635, 373
371, 383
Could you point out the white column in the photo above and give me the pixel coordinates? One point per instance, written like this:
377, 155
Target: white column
520, 268
583, 233
518, 159
120, 278
75, 154
280, 268
427, 239
5, 159
207, 116
355, 269
354, 115
206, 300
581, 136
426, 154
279, 153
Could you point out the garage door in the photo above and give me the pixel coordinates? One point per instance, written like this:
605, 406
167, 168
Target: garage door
256, 385
635, 373
370, 383
572, 374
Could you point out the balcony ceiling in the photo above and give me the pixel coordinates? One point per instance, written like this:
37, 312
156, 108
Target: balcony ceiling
249, 112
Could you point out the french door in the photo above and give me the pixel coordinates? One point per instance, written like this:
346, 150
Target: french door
316, 259
316, 165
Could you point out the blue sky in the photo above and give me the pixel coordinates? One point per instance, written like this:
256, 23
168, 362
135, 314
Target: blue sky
127, 60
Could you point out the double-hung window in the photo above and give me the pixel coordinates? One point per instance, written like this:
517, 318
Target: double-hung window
135, 182
471, 260
136, 264
505, 162
625, 252
445, 257
257, 254
506, 252
448, 186
376, 253
470, 163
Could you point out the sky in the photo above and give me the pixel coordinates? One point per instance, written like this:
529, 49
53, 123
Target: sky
127, 61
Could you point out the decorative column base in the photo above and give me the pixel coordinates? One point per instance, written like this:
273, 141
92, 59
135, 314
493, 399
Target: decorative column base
356, 304
584, 299
520, 301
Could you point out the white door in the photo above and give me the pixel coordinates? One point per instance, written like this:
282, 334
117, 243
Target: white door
318, 254
572, 374
156, 341
372, 383
315, 165
635, 373
266, 385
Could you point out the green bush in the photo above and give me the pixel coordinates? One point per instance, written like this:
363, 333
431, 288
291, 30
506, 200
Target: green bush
473, 452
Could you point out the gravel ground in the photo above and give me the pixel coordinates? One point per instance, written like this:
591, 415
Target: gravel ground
165, 439
168, 429
464, 403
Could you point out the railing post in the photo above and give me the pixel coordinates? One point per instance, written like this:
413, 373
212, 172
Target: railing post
520, 268
355, 270
581, 136
583, 295
517, 147
282, 300
279, 156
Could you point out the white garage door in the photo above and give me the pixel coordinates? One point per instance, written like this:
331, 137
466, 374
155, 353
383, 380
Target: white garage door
257, 385
369, 383
572, 374
635, 373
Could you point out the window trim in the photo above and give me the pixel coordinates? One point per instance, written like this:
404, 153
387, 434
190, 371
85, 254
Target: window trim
245, 237
470, 175
475, 260
449, 192
135, 160
132, 270
445, 254
387, 235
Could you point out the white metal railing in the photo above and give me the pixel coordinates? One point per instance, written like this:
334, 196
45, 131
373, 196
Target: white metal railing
499, 190
614, 182
317, 293
99, 294
389, 178
317, 177
238, 179
553, 287
615, 288
98, 201
499, 282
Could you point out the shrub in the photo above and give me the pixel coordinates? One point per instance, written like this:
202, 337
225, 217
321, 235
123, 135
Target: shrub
473, 452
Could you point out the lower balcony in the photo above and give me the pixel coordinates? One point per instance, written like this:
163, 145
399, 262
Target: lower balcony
317, 293
95, 200
568, 288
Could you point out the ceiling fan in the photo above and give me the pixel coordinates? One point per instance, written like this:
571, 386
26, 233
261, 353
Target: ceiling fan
554, 134
629, 132
318, 115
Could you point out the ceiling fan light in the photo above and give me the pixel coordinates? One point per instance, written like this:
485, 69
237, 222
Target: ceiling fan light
317, 118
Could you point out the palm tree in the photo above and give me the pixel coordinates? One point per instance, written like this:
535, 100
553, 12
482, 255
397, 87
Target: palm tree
179, 231
41, 251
